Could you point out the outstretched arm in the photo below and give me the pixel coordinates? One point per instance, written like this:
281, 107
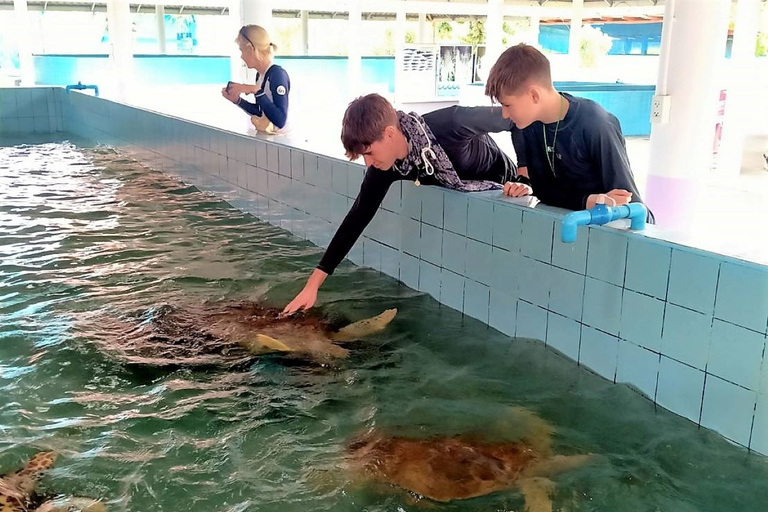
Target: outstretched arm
469, 121
372, 192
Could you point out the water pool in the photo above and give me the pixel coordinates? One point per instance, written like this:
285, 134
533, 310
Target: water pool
84, 230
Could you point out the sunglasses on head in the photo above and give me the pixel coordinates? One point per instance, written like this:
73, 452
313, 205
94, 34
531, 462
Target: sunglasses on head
244, 35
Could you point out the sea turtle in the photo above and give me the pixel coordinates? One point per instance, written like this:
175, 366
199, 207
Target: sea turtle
226, 332
17, 491
464, 466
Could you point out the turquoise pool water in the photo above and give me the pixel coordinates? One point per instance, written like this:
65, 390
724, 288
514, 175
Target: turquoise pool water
85, 232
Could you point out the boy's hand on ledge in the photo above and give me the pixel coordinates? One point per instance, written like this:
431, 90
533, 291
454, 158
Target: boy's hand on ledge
513, 189
619, 195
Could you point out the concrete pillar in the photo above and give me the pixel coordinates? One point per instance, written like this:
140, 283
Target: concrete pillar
741, 91
305, 32
120, 28
424, 29
256, 12
574, 39
160, 14
24, 29
533, 34
354, 55
399, 36
494, 31
690, 73
235, 23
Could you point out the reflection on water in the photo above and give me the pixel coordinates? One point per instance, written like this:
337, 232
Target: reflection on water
86, 234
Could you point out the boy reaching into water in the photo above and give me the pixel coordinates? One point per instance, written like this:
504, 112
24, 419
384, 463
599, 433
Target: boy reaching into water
449, 147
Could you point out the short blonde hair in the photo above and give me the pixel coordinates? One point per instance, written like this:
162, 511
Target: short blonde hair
257, 38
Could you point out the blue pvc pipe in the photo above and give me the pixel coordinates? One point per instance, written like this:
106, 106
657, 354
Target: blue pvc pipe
601, 214
572, 221
79, 87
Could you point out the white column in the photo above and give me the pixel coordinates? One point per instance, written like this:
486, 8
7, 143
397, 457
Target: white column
235, 22
160, 14
399, 36
494, 31
24, 29
423, 28
256, 12
741, 91
533, 34
305, 32
690, 73
354, 55
574, 39
121, 47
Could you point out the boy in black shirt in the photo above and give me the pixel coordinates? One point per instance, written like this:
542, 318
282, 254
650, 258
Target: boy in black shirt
448, 147
573, 148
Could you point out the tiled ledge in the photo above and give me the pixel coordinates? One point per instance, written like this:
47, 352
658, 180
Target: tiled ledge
685, 327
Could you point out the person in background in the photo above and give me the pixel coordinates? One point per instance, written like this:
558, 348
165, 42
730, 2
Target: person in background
269, 112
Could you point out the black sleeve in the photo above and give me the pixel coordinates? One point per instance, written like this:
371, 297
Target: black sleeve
470, 121
373, 190
609, 153
276, 109
252, 108
518, 141
561, 197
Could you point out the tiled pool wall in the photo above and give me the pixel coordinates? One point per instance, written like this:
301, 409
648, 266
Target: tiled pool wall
685, 327
30, 110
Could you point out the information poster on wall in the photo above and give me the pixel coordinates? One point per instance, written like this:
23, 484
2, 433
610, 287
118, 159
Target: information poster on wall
455, 69
481, 67
418, 76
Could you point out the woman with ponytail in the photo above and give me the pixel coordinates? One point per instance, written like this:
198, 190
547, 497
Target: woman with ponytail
269, 112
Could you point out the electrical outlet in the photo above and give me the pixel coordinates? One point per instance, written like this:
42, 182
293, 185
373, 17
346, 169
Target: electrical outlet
660, 108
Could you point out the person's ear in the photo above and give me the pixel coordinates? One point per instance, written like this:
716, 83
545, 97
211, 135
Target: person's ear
389, 132
535, 94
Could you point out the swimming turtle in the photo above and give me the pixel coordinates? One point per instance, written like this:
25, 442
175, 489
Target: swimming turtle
227, 332
465, 466
17, 491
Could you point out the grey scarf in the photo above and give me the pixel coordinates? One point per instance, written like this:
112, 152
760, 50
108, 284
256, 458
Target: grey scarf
427, 158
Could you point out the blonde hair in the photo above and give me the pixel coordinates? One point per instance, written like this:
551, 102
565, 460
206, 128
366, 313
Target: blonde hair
257, 38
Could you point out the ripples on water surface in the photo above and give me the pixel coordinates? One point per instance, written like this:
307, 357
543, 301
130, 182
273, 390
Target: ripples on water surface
85, 232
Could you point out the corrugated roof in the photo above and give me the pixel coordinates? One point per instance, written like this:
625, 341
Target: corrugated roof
220, 6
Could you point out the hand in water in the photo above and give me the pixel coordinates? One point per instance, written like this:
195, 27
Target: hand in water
304, 300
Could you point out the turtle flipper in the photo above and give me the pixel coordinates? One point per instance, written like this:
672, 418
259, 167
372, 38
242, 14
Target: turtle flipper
25, 480
263, 344
365, 327
537, 493
11, 503
72, 503
557, 464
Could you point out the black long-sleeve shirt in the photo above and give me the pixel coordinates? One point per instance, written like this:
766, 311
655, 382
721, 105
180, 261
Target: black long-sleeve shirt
590, 156
463, 133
